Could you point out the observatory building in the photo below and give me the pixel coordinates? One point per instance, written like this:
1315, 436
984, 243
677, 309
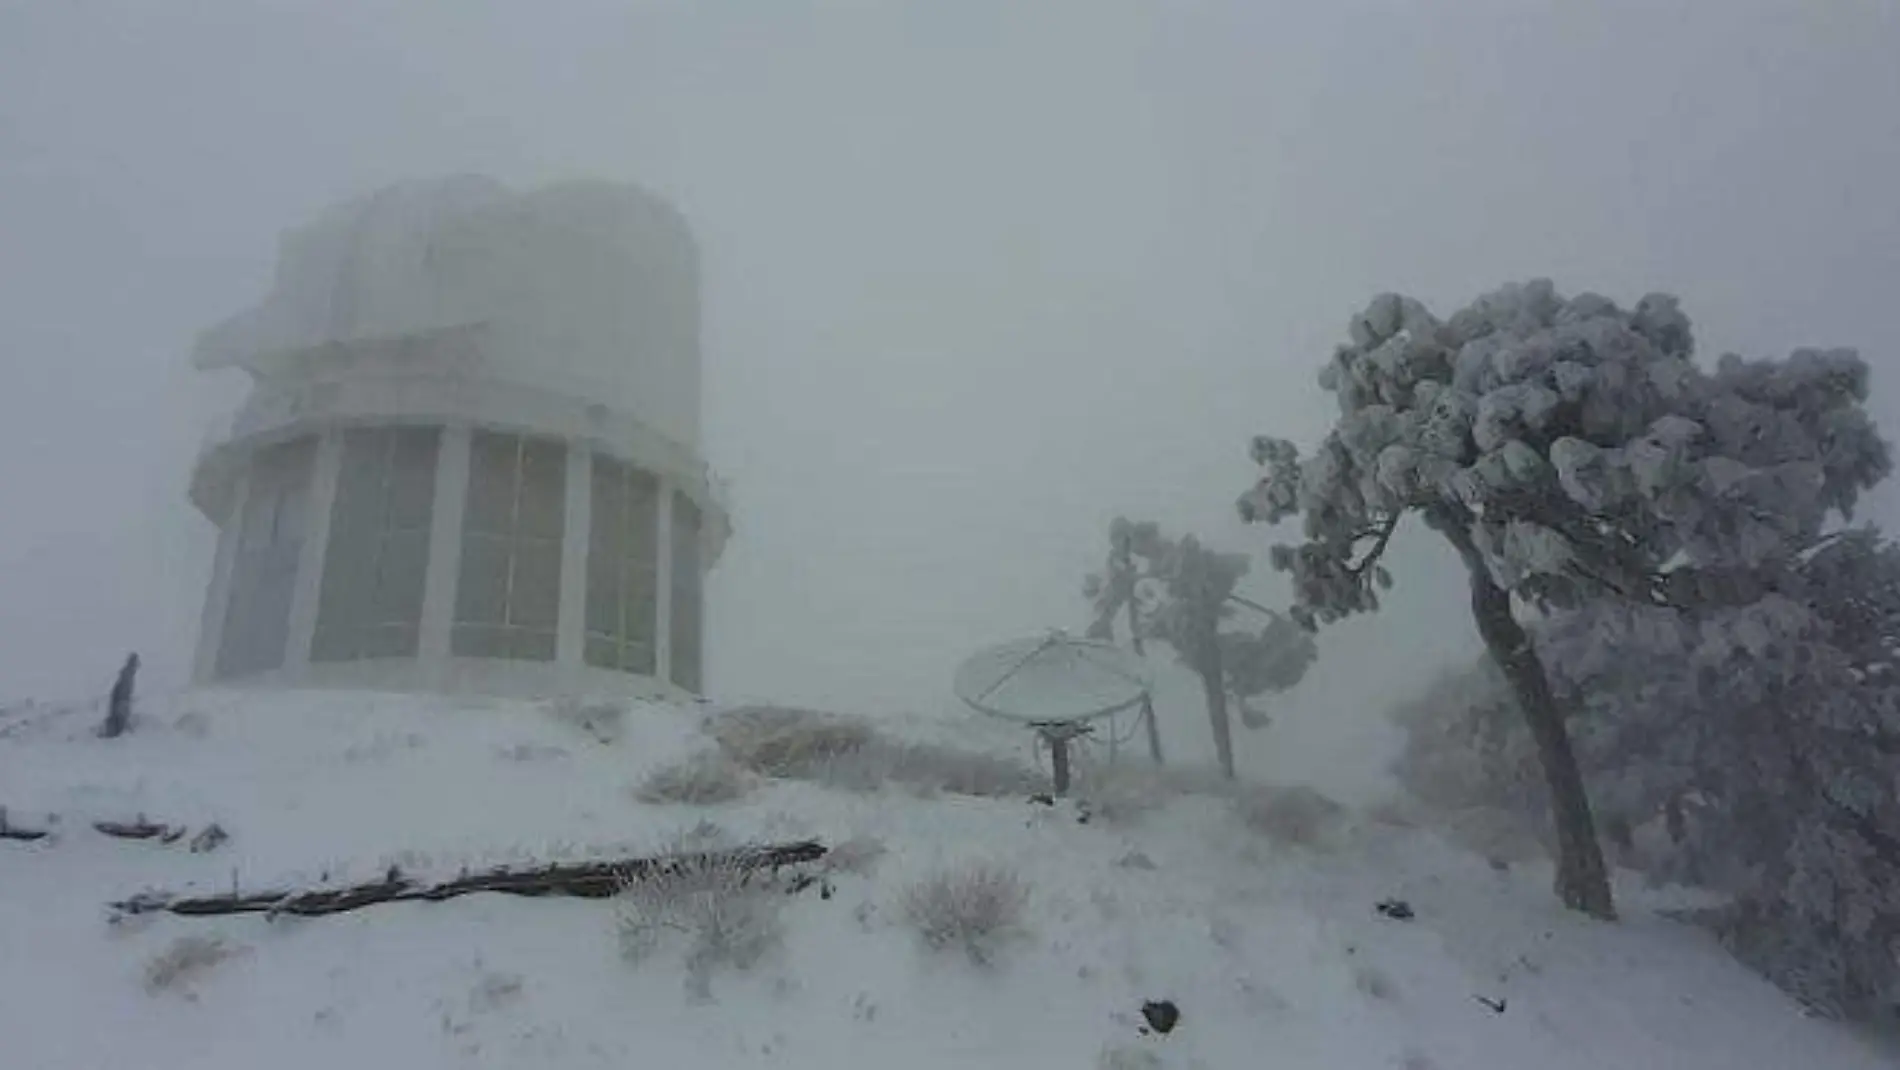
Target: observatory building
469, 460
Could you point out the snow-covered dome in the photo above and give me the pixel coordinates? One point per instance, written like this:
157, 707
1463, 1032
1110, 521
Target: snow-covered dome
469, 459
589, 288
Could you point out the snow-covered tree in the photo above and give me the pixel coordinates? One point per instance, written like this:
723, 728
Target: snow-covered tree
1568, 450
1181, 593
1757, 746
1133, 552
1778, 721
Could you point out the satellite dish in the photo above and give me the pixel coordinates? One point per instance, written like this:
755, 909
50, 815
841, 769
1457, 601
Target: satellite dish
1054, 684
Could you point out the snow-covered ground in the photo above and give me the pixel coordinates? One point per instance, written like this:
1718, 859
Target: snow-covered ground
1273, 952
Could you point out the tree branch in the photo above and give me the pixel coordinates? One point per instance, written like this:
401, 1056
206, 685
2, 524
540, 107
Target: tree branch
1382, 534
1249, 603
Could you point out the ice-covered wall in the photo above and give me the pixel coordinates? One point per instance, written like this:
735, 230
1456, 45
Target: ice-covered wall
588, 288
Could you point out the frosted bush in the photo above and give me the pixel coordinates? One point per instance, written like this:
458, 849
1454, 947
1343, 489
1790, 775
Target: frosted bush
788, 743
604, 719
930, 768
1296, 815
728, 917
975, 908
701, 780
847, 753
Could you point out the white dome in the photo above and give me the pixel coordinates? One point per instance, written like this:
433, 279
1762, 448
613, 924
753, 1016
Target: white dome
587, 288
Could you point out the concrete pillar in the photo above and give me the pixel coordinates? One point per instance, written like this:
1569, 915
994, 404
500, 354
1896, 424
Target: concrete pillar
306, 596
218, 591
576, 531
445, 553
663, 587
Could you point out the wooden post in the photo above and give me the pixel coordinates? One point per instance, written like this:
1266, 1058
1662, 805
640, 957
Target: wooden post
119, 705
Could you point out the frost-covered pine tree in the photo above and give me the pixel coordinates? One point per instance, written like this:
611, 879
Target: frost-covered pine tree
1181, 593
1748, 746
1568, 450
1768, 733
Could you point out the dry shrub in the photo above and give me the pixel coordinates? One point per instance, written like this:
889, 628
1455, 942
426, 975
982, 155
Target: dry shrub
975, 908
1289, 815
729, 916
858, 855
185, 960
848, 753
929, 768
701, 780
793, 744
604, 719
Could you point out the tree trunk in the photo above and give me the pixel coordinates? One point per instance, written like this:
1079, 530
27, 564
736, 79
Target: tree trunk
1154, 730
1134, 638
1214, 687
1583, 881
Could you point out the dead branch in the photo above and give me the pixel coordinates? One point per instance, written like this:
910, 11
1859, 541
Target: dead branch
585, 880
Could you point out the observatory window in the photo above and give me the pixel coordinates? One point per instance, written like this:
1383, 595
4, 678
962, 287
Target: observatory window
270, 540
507, 598
686, 631
622, 561
371, 606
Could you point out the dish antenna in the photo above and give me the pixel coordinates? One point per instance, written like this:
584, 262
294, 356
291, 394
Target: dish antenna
1054, 685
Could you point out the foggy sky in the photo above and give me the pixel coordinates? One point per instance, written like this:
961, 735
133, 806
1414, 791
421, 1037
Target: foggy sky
978, 276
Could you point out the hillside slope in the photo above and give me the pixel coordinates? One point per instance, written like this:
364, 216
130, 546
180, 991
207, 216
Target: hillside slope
1272, 951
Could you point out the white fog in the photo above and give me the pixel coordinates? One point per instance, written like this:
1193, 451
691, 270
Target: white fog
975, 279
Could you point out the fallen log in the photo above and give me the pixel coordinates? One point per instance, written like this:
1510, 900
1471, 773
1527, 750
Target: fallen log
15, 832
585, 880
140, 829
